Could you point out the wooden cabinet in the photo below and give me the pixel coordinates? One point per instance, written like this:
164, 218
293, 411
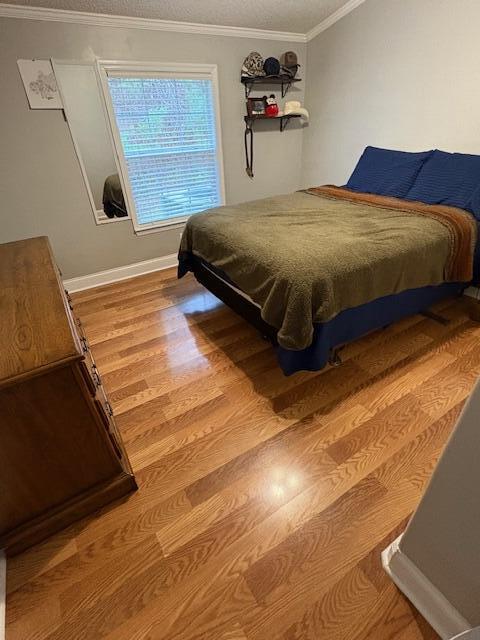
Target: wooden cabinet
61, 455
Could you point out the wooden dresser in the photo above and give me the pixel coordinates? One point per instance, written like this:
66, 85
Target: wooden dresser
61, 455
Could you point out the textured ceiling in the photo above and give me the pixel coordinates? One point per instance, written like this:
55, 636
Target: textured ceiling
298, 16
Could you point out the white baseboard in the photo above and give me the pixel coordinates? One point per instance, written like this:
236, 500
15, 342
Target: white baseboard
429, 601
3, 593
472, 292
120, 273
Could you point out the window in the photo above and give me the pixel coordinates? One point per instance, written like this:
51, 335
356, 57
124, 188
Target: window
167, 137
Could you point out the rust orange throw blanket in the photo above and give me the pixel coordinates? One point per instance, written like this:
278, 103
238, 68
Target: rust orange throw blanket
461, 225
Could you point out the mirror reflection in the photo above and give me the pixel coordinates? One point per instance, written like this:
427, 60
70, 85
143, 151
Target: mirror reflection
87, 120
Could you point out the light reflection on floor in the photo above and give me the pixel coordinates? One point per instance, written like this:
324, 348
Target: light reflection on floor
200, 303
191, 357
282, 482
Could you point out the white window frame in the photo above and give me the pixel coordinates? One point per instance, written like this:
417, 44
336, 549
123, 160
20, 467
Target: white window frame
98, 214
163, 70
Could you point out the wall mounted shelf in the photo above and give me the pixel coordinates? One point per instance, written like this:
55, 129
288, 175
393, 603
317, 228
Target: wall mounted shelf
283, 80
284, 120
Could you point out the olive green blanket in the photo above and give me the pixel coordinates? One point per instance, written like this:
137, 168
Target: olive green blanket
306, 256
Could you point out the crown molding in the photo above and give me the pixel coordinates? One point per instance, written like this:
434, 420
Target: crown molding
154, 24
334, 17
127, 22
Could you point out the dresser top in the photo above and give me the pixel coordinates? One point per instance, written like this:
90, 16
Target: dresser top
35, 330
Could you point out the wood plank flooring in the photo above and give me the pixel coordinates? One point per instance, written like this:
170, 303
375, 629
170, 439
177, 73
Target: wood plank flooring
264, 501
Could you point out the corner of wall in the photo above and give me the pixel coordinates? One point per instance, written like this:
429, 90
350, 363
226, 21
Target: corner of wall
430, 602
305, 128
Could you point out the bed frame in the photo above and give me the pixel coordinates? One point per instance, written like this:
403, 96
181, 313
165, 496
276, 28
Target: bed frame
329, 337
227, 294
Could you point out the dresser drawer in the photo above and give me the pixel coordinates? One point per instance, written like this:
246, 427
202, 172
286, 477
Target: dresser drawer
115, 444
87, 377
90, 374
87, 366
105, 413
81, 335
76, 323
104, 410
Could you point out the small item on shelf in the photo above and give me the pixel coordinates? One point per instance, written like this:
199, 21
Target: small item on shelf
289, 63
289, 59
293, 107
271, 109
271, 66
253, 65
256, 106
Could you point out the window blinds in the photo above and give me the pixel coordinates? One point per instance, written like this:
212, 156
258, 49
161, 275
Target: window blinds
167, 130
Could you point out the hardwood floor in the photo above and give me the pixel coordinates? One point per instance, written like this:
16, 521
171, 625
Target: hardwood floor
264, 501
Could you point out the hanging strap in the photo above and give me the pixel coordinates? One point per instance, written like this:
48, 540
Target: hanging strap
248, 151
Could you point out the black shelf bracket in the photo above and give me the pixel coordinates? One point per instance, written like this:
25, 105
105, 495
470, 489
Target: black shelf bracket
282, 120
285, 86
284, 82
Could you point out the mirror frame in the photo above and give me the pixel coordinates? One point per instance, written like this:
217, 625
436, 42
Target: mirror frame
98, 214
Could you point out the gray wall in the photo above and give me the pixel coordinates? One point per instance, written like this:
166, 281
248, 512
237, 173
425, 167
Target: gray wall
401, 74
42, 190
443, 537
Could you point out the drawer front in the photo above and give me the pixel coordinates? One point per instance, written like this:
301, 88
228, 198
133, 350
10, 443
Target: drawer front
115, 444
90, 373
82, 336
87, 376
93, 382
88, 368
105, 413
76, 323
69, 300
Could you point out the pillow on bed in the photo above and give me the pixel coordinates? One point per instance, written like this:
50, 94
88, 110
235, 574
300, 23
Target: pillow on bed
386, 172
449, 178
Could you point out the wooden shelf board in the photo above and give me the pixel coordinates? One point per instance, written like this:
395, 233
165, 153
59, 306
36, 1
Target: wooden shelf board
263, 117
270, 80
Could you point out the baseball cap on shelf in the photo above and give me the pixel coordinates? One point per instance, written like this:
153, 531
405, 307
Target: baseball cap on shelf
271, 66
289, 59
253, 65
289, 63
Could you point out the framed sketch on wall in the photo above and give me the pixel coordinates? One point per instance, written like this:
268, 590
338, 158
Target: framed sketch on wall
40, 84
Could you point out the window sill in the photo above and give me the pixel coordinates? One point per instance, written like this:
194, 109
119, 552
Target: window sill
101, 218
164, 227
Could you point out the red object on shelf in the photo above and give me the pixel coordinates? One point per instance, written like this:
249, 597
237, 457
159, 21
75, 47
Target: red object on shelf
271, 110
271, 107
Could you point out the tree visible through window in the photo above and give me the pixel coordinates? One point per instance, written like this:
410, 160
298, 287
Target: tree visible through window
168, 133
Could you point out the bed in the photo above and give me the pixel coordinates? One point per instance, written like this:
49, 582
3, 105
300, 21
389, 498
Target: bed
319, 268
